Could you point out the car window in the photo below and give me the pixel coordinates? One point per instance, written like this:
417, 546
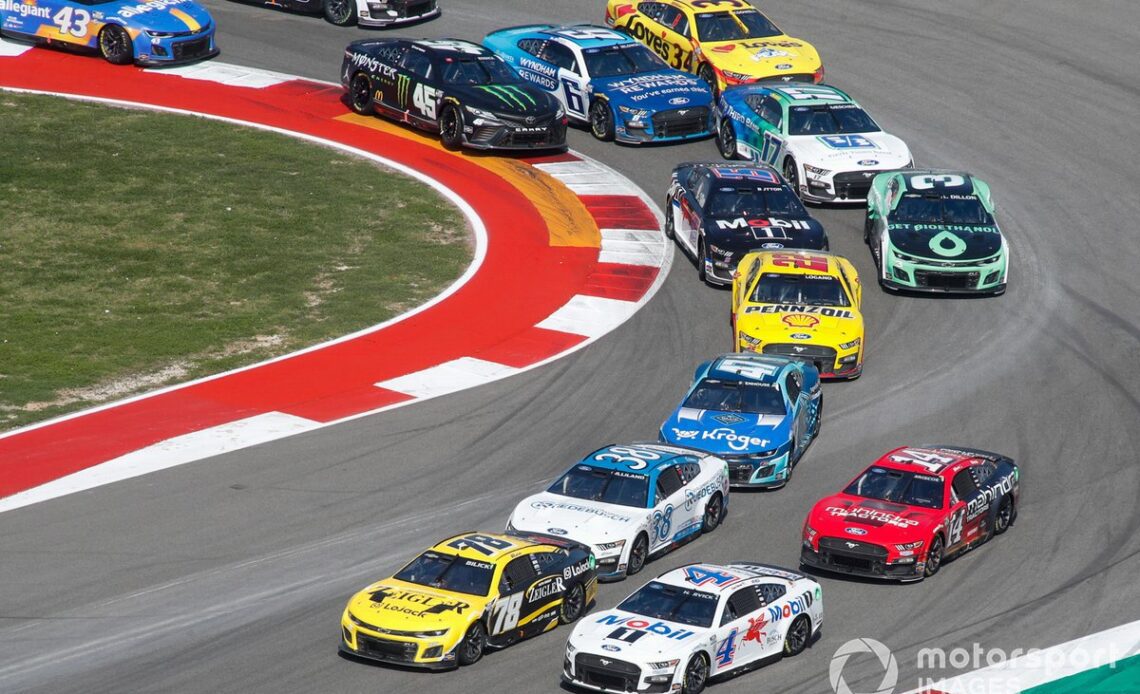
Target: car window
770, 111
544, 560
419, 64
674, 19
563, 57
532, 46
770, 592
742, 602
651, 9
793, 387
391, 53
668, 482
701, 192
517, 575
964, 485
983, 472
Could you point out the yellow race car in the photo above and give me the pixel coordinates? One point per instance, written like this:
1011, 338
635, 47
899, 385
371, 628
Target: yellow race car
726, 42
800, 304
468, 593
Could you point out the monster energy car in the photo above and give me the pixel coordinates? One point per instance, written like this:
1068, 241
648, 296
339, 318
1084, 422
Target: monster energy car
457, 88
934, 231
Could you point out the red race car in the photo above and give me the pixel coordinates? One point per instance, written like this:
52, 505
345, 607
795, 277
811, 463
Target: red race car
901, 517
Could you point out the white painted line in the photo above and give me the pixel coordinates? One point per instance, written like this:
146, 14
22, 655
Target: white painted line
448, 377
592, 316
11, 49
224, 73
587, 177
632, 247
170, 453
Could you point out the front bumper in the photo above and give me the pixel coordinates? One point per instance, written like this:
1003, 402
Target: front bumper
943, 279
394, 650
174, 51
764, 473
510, 136
859, 563
606, 674
674, 125
841, 186
831, 363
409, 12
611, 568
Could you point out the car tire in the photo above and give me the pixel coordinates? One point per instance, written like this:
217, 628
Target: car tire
706, 73
867, 230
796, 640
341, 13
818, 419
360, 94
726, 139
451, 127
670, 225
602, 120
791, 173
714, 512
573, 604
696, 675
115, 45
701, 254
1005, 515
638, 554
473, 643
934, 556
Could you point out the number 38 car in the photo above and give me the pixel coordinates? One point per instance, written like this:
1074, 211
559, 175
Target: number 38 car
630, 502
693, 623
470, 592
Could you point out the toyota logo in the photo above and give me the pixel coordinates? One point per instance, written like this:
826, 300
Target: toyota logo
530, 120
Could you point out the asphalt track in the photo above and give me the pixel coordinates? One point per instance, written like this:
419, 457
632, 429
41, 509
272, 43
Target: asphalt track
230, 574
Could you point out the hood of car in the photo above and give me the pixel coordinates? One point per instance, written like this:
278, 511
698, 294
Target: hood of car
520, 100
398, 606
800, 324
655, 91
727, 433
859, 519
645, 638
855, 152
589, 522
949, 242
767, 57
751, 232
168, 16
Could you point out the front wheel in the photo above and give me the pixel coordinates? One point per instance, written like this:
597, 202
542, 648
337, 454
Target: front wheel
796, 640
601, 120
360, 94
670, 225
696, 675
709, 76
573, 604
701, 274
471, 648
637, 555
934, 556
451, 127
714, 511
342, 13
115, 45
791, 174
726, 140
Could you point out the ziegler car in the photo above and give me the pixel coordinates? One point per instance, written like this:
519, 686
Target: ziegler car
757, 412
901, 517
159, 32
803, 305
828, 147
934, 231
726, 42
469, 592
367, 13
718, 212
458, 89
693, 623
617, 86
629, 503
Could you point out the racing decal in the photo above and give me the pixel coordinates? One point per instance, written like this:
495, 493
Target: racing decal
484, 544
795, 308
799, 320
505, 613
801, 261
451, 45
846, 141
402, 84
658, 628
415, 604
735, 441
858, 532
744, 172
578, 508
928, 181
511, 95
954, 527
930, 460
545, 588
25, 10
589, 33
729, 418
369, 63
662, 523
745, 367
142, 8
703, 575
807, 93
794, 606
633, 458
756, 628
576, 570
770, 224
693, 497
988, 495
726, 650
871, 514
625, 634
947, 244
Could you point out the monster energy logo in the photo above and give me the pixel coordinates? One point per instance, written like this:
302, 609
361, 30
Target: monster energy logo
402, 84
509, 94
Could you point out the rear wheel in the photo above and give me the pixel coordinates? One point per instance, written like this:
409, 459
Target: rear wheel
601, 120
714, 511
934, 556
451, 127
115, 45
471, 649
340, 12
796, 640
360, 94
726, 139
573, 604
696, 675
637, 555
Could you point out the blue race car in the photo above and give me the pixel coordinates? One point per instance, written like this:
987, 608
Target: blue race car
608, 81
158, 32
759, 412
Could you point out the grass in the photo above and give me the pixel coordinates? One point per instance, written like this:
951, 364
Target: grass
141, 249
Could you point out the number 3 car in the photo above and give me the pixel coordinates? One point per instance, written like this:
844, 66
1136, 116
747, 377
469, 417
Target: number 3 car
470, 592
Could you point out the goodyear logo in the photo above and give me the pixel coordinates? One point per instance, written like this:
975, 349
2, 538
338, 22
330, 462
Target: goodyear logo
510, 94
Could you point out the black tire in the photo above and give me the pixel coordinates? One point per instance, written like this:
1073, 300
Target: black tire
934, 556
115, 45
451, 127
799, 633
360, 94
573, 604
706, 73
701, 275
818, 419
794, 461
342, 13
1005, 515
867, 230
726, 139
472, 645
637, 555
670, 229
714, 512
696, 675
791, 174
602, 120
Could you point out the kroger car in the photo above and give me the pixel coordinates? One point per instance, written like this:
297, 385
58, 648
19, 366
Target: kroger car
826, 145
693, 623
159, 32
934, 231
617, 86
757, 412
629, 503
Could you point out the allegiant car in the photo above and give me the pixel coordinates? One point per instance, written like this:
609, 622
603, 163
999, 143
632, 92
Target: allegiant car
158, 32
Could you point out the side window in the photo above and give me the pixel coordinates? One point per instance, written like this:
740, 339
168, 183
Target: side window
964, 485
543, 561
668, 482
517, 575
419, 64
770, 592
391, 53
701, 191
983, 472
557, 54
675, 19
770, 111
742, 602
752, 273
532, 46
651, 10
793, 385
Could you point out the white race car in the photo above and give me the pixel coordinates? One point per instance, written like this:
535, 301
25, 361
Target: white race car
693, 623
630, 502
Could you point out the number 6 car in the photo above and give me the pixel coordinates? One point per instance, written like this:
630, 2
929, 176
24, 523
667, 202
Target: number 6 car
630, 502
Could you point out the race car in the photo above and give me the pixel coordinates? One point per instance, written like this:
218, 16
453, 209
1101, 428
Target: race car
717, 212
366, 13
803, 305
725, 42
693, 623
826, 145
911, 510
757, 412
629, 503
458, 89
608, 81
934, 231
161, 32
468, 593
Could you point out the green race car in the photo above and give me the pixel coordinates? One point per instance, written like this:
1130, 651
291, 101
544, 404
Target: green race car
934, 231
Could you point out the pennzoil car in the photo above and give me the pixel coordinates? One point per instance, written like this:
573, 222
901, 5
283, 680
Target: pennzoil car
757, 412
717, 212
725, 42
693, 623
902, 516
826, 145
803, 305
458, 89
934, 231
629, 503
608, 81
158, 32
366, 13
469, 592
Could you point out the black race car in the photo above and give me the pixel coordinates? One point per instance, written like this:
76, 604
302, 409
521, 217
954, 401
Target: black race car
718, 212
368, 13
457, 88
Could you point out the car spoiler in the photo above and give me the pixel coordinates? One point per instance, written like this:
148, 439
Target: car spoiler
545, 539
768, 570
975, 452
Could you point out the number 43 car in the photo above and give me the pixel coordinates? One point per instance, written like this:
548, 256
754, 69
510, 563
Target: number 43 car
468, 593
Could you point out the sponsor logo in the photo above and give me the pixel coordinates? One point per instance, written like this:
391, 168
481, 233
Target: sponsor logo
556, 531
543, 81
771, 222
737, 442
635, 624
417, 604
578, 508
784, 66
863, 646
729, 418
540, 68
795, 308
511, 95
846, 141
771, 245
610, 648
643, 33
867, 162
576, 570
756, 628
402, 84
979, 504
799, 320
678, 101
692, 498
135, 10
25, 10
800, 336
859, 532
871, 514
545, 588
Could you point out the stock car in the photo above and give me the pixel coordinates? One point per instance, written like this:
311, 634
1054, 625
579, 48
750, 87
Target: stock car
468, 593
757, 412
725, 42
693, 623
367, 13
903, 515
608, 81
934, 231
629, 503
458, 89
826, 145
803, 305
160, 32
717, 212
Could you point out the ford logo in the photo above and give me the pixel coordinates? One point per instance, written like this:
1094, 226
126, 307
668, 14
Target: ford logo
800, 336
771, 244
855, 531
678, 101
867, 162
611, 649
784, 66
556, 531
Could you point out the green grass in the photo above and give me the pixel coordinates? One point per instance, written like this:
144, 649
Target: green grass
141, 249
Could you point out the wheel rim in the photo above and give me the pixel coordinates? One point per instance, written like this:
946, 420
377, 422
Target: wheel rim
450, 125
712, 513
710, 78
598, 119
339, 10
1005, 513
701, 259
474, 645
797, 636
637, 556
360, 92
113, 42
727, 141
792, 176
695, 675
934, 561
572, 603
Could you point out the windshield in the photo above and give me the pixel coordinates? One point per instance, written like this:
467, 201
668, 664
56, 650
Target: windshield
606, 486
736, 396
484, 70
672, 603
628, 59
898, 486
738, 201
809, 290
933, 209
829, 119
733, 26
449, 572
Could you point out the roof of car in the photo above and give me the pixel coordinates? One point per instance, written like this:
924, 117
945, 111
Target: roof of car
463, 545
725, 578
796, 93
588, 35
656, 455
809, 262
760, 368
742, 171
939, 180
927, 460
452, 47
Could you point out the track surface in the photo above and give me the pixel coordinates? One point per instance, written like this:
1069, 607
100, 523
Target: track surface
230, 574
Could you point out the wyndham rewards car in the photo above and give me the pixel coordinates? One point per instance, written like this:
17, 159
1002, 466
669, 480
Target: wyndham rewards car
608, 81
158, 32
693, 623
826, 145
758, 412
630, 502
